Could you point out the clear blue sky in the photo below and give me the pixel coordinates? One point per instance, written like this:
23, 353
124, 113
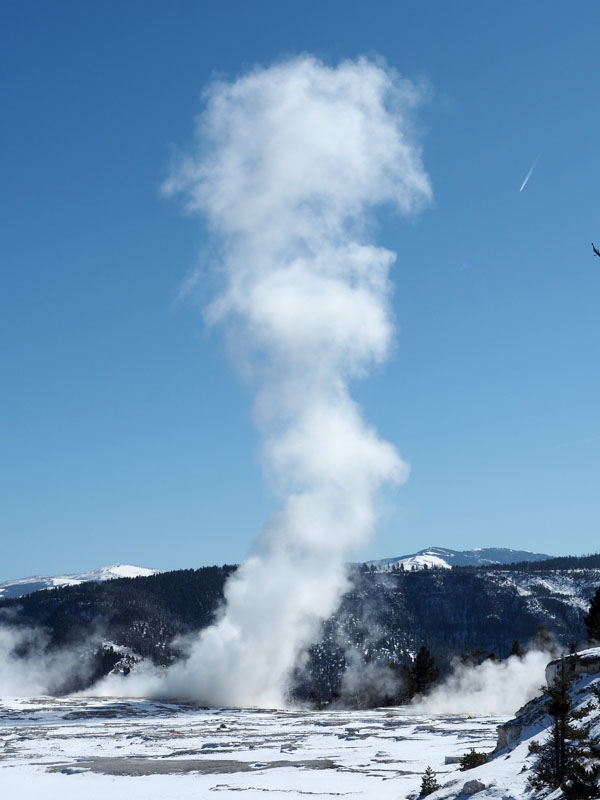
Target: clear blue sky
125, 433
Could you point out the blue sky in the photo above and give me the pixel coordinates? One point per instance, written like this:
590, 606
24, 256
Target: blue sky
126, 433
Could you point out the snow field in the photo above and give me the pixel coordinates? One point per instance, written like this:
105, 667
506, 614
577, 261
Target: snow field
86, 747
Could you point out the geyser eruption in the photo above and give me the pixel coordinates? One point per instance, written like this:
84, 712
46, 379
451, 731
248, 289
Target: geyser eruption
286, 164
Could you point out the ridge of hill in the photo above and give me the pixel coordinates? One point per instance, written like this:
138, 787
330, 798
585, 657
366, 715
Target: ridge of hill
36, 583
431, 557
445, 558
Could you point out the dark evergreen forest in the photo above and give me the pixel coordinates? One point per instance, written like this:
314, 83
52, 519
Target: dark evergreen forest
386, 618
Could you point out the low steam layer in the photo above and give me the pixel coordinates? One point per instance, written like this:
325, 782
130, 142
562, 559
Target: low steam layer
30, 666
493, 687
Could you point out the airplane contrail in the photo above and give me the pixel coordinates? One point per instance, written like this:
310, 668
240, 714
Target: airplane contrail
529, 174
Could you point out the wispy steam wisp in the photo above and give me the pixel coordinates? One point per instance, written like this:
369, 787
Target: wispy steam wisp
287, 163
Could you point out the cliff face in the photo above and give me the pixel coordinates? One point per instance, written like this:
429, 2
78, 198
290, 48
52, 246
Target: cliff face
585, 662
456, 609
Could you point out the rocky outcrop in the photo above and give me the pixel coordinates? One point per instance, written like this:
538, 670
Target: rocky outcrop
586, 662
474, 786
533, 714
530, 714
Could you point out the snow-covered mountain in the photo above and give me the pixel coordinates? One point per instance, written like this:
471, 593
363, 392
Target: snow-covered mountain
18, 588
444, 558
441, 557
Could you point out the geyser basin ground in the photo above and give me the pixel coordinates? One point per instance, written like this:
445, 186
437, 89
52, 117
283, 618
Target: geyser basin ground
94, 748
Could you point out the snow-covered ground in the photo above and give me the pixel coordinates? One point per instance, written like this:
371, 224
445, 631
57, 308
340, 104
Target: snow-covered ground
96, 748
91, 748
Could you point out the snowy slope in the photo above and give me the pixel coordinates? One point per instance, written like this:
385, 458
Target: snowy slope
18, 588
442, 557
505, 776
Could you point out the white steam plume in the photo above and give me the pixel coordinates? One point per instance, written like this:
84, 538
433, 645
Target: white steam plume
287, 162
494, 687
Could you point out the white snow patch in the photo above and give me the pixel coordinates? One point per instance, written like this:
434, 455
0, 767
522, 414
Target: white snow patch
61, 747
34, 583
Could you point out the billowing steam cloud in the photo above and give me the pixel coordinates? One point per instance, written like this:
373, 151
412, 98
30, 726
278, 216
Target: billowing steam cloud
494, 687
28, 666
287, 162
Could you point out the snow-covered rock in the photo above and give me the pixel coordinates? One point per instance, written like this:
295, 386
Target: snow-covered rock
525, 719
585, 662
473, 786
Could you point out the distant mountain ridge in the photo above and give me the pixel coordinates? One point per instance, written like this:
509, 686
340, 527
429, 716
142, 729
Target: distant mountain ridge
445, 558
430, 557
23, 586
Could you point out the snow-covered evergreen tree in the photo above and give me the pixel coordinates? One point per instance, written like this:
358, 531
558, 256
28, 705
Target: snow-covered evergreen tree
429, 783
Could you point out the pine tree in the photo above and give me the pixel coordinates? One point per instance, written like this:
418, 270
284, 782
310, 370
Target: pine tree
472, 759
409, 685
592, 620
429, 783
582, 783
558, 754
425, 671
516, 649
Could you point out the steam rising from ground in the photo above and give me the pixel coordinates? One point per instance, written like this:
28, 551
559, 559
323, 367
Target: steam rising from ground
29, 667
494, 687
18, 675
287, 163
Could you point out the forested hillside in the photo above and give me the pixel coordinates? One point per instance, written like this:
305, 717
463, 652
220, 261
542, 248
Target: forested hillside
384, 619
144, 614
